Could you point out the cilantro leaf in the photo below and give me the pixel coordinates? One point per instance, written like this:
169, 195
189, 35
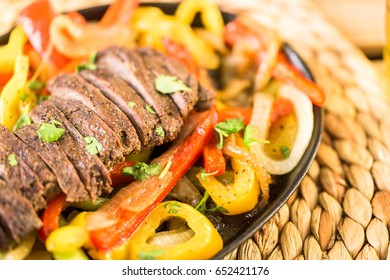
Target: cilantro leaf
86, 66
285, 151
249, 138
202, 208
150, 255
169, 84
23, 95
204, 174
24, 118
90, 65
141, 171
160, 131
12, 160
93, 145
131, 104
149, 109
35, 85
173, 207
49, 132
227, 127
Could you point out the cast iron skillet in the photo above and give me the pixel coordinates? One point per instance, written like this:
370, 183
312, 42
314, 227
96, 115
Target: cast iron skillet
235, 230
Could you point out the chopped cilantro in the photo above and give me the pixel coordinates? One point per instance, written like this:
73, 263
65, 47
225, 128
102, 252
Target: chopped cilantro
93, 145
169, 84
90, 65
201, 207
204, 174
43, 97
249, 139
142, 171
12, 160
23, 95
149, 109
131, 104
285, 151
49, 132
227, 127
160, 131
150, 255
24, 118
173, 207
35, 85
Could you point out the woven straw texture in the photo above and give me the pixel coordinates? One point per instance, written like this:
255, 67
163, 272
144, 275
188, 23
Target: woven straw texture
341, 210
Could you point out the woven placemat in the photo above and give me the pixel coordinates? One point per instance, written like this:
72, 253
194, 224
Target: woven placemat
341, 210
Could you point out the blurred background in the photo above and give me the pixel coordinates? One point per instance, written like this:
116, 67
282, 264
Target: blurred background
362, 21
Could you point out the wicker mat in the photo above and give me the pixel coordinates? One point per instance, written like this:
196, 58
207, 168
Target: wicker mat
341, 209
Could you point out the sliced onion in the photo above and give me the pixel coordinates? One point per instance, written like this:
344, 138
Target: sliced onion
99, 220
171, 237
186, 192
305, 119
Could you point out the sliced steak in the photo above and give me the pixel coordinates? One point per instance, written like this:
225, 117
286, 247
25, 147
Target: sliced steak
5, 240
18, 218
74, 87
88, 123
207, 98
160, 64
129, 66
51, 153
21, 177
124, 96
33, 160
91, 170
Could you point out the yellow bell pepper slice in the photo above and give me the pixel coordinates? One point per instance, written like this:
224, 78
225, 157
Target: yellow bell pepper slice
238, 197
14, 48
12, 92
152, 25
210, 14
202, 240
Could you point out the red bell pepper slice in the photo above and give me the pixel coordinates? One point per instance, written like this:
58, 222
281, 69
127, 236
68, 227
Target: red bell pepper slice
117, 177
282, 107
50, 216
213, 160
119, 12
183, 156
231, 113
285, 72
35, 20
181, 53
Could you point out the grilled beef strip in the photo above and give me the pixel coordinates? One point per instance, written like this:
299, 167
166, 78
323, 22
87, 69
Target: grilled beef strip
121, 94
33, 160
18, 218
129, 66
5, 240
21, 177
91, 170
159, 64
205, 97
51, 153
88, 123
74, 87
